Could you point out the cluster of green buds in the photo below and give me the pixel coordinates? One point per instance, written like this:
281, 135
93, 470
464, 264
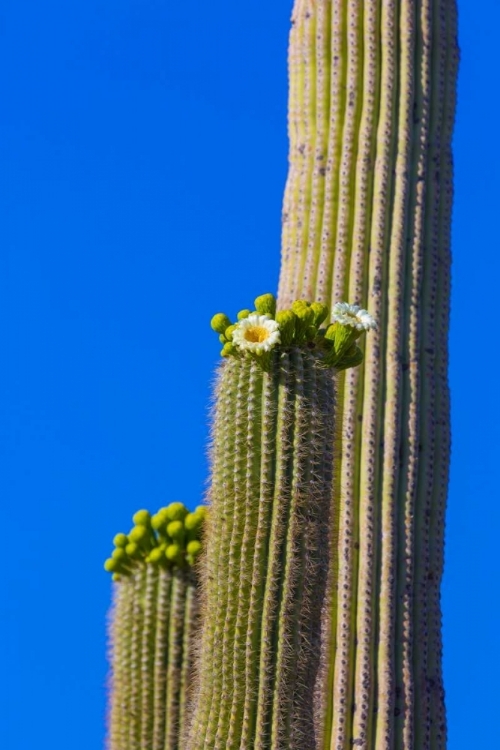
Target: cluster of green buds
169, 537
258, 332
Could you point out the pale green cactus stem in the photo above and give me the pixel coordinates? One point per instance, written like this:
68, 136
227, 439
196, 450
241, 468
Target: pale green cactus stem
366, 216
154, 620
270, 526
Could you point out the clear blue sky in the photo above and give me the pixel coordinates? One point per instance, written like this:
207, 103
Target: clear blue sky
143, 150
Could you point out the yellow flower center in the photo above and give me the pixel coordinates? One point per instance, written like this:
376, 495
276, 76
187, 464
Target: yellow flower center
256, 334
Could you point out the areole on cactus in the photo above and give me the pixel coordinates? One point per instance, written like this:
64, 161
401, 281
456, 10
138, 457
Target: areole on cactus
153, 627
262, 670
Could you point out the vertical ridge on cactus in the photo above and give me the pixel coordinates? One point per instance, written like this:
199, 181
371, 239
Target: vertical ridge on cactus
154, 620
366, 213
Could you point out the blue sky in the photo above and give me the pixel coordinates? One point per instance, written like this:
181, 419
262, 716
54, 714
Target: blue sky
143, 162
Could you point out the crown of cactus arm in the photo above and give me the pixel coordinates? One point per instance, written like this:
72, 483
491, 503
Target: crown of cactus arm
272, 507
153, 622
258, 333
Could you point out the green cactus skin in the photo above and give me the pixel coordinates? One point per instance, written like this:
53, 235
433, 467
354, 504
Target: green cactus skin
153, 624
267, 554
366, 215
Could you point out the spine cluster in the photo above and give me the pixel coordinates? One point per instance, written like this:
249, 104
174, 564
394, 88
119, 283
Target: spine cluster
153, 625
367, 215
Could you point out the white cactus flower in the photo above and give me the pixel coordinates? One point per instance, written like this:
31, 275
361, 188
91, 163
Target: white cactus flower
257, 334
353, 316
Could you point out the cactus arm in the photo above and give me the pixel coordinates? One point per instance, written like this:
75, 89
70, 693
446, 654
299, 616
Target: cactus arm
161, 658
278, 376
153, 621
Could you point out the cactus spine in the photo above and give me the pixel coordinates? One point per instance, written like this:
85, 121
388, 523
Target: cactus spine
367, 215
267, 557
154, 619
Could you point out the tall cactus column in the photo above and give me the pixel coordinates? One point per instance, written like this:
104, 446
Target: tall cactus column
262, 665
153, 626
367, 215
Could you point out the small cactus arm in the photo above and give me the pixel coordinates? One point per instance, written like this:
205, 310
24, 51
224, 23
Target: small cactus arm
366, 215
271, 518
153, 626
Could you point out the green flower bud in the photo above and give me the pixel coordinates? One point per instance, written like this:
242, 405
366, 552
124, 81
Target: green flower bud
160, 520
194, 548
229, 350
140, 535
173, 553
111, 565
193, 522
156, 556
115, 567
301, 304
201, 510
305, 317
311, 333
222, 339
175, 530
133, 550
320, 313
266, 304
228, 333
342, 338
119, 554
352, 358
142, 517
176, 511
243, 314
116, 577
287, 320
120, 540
220, 322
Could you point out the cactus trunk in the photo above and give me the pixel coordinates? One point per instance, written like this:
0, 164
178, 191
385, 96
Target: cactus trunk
366, 215
267, 554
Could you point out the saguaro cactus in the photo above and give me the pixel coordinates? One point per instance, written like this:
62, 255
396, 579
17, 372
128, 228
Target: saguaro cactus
153, 624
261, 672
367, 215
